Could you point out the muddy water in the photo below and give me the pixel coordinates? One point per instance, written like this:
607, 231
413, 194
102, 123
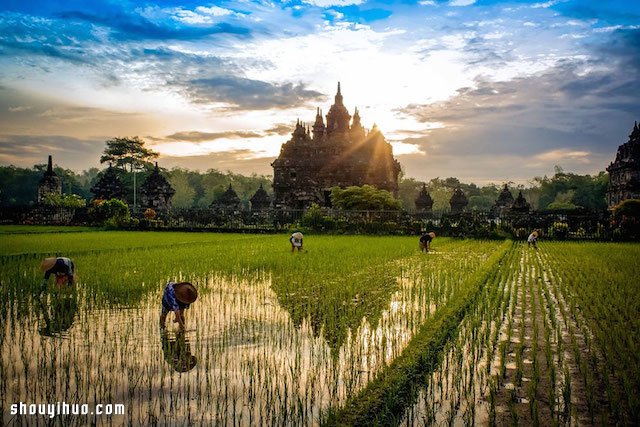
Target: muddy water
241, 361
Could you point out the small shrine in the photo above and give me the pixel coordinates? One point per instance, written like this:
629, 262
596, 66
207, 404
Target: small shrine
624, 172
49, 183
227, 200
109, 186
424, 202
156, 192
520, 204
458, 201
503, 202
260, 200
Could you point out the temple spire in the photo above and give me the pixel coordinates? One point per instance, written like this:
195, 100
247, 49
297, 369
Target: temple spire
50, 165
338, 99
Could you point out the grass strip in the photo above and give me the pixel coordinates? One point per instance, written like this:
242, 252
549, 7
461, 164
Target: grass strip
384, 399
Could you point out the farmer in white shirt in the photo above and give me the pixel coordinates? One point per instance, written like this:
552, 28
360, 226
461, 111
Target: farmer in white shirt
296, 241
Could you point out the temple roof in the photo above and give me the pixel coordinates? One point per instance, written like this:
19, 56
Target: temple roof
228, 199
157, 184
109, 186
424, 200
260, 199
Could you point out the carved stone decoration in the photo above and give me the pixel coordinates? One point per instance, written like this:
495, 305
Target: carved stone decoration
337, 155
424, 202
227, 200
49, 183
109, 186
156, 192
260, 200
520, 205
458, 201
624, 172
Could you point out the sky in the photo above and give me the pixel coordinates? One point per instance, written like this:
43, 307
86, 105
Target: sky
482, 90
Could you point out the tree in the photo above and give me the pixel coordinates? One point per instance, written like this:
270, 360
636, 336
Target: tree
179, 180
128, 151
366, 197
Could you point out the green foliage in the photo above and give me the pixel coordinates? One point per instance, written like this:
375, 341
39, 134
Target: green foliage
569, 191
19, 186
366, 197
315, 219
129, 152
64, 200
112, 213
559, 230
626, 219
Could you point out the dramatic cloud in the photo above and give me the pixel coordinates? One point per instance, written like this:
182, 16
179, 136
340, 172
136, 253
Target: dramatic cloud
247, 94
459, 87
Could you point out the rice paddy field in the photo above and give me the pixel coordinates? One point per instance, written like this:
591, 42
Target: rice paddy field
354, 330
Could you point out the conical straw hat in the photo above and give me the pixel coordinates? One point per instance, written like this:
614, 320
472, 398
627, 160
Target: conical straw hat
47, 264
297, 235
433, 235
186, 293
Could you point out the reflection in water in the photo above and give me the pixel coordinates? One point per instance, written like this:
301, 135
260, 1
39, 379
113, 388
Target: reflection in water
177, 351
255, 364
58, 313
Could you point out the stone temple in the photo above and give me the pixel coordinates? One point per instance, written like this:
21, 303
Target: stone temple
624, 172
49, 183
339, 153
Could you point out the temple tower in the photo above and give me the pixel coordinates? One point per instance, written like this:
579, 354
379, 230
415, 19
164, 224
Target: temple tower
49, 183
624, 172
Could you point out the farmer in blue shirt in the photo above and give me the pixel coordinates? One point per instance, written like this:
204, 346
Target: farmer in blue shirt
177, 297
63, 269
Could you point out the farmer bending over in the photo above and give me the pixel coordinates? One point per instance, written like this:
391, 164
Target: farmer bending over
532, 239
177, 297
296, 241
63, 269
425, 241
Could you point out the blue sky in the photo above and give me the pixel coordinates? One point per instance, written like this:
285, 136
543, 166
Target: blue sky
487, 91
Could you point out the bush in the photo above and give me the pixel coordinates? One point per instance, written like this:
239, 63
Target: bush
112, 213
625, 220
316, 220
64, 200
559, 230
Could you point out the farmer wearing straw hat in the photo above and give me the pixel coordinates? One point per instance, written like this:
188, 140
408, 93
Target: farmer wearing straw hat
425, 241
63, 269
296, 241
533, 238
177, 297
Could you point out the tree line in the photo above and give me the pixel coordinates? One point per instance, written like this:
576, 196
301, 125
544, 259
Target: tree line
194, 189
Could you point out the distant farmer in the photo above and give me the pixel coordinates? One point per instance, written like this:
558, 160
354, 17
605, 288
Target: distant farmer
62, 268
532, 239
296, 241
177, 297
425, 241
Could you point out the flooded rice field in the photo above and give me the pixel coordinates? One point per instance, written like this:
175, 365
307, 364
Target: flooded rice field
354, 330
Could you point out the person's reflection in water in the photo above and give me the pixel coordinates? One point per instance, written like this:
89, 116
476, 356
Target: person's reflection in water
177, 351
59, 314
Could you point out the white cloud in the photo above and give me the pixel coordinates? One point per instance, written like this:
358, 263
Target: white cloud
564, 154
461, 2
427, 3
545, 5
330, 3
18, 109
